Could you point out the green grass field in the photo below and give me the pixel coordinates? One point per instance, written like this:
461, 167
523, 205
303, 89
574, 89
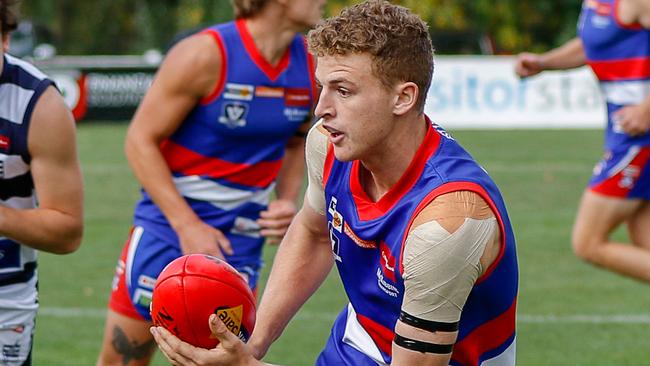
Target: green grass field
569, 313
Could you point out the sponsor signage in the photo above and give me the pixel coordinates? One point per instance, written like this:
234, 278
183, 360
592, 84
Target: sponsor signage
466, 92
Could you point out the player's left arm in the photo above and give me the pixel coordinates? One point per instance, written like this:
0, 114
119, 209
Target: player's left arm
450, 244
276, 219
56, 225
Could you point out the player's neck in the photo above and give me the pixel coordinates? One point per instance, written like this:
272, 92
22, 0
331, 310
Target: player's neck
383, 168
271, 38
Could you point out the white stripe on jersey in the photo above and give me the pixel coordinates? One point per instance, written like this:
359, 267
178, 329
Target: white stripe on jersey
13, 102
19, 296
220, 196
506, 358
21, 203
626, 92
26, 66
12, 165
133, 245
357, 337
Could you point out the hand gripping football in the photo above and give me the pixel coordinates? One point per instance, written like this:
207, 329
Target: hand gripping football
191, 288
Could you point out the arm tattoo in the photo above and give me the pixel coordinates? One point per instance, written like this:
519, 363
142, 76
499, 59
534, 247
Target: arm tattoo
130, 350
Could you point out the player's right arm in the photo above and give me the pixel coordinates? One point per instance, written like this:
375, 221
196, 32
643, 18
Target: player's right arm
188, 73
568, 56
304, 258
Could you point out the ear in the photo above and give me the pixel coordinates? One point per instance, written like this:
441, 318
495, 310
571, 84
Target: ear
4, 42
406, 97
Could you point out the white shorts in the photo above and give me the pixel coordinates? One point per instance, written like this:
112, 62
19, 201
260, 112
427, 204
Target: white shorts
16, 335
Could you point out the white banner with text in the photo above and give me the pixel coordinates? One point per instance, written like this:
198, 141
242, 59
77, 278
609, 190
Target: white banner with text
484, 92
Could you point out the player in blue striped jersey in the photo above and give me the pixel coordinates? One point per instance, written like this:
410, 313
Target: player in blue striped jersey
41, 191
418, 231
614, 40
221, 129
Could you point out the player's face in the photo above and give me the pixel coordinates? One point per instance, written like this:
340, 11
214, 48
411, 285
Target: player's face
357, 109
306, 13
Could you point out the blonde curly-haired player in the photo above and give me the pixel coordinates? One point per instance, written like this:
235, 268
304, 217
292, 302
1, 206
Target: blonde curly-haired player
417, 229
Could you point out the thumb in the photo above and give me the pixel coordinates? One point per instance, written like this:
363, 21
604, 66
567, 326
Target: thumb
219, 330
224, 243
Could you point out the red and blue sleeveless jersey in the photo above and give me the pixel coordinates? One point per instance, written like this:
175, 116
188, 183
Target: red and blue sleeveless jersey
226, 155
368, 241
619, 55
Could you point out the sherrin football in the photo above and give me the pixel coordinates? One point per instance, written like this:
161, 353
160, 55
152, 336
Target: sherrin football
191, 288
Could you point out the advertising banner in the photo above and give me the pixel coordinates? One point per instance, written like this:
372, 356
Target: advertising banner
466, 92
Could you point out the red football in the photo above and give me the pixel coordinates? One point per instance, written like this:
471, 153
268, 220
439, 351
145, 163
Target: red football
191, 288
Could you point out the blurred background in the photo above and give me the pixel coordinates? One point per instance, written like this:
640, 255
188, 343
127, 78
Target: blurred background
538, 138
115, 27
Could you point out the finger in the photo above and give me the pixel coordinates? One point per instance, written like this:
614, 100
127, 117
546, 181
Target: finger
169, 346
267, 233
224, 243
275, 224
278, 211
225, 337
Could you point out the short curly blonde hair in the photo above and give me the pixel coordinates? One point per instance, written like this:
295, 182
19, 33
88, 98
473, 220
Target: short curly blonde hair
397, 40
247, 8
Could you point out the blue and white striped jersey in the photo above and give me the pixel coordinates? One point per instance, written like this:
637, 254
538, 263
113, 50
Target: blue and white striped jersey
21, 85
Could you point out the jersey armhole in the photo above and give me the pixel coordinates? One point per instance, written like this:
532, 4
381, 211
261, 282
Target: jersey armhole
224, 66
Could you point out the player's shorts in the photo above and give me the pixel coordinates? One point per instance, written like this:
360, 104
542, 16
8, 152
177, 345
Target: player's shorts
16, 336
623, 174
339, 353
143, 258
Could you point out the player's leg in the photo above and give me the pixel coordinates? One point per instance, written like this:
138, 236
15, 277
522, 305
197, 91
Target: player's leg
639, 226
597, 217
127, 340
616, 195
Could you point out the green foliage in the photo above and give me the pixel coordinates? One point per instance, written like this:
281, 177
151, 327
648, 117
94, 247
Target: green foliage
132, 26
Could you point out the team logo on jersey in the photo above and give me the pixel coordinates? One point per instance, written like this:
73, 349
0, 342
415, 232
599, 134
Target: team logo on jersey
387, 262
238, 91
269, 92
5, 142
297, 97
386, 271
337, 218
146, 282
333, 226
234, 114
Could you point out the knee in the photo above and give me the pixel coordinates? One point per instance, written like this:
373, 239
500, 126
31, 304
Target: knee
585, 247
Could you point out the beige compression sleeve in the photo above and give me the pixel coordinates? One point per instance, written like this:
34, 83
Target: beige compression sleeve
315, 153
451, 243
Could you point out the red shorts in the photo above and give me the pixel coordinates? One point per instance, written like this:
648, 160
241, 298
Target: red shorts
623, 174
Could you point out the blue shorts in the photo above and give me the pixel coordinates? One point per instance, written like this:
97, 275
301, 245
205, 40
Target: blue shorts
339, 353
623, 174
143, 258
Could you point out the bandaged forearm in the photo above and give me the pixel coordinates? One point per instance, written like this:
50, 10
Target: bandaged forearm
440, 268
